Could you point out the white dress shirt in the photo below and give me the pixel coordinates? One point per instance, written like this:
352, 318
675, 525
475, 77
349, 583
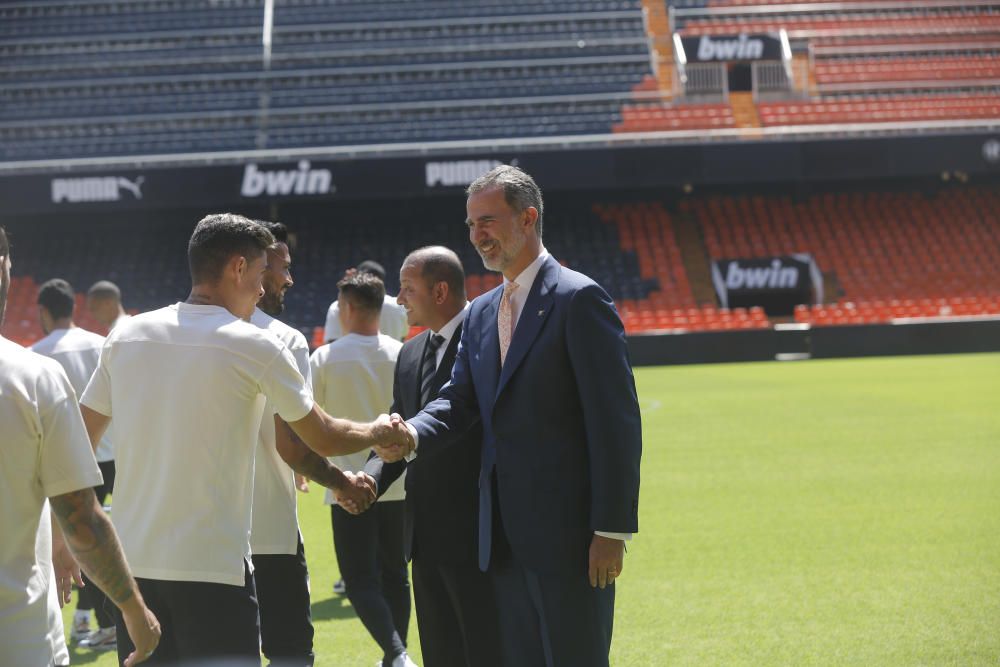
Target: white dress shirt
448, 332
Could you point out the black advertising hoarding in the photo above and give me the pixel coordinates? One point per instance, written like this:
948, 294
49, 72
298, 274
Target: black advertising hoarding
777, 284
732, 48
673, 165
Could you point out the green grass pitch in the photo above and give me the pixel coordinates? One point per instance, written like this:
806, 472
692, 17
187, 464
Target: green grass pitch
839, 512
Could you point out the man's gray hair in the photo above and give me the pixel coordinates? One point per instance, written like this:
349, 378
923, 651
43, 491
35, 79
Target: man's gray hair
519, 190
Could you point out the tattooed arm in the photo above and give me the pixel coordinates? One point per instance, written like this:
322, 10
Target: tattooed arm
354, 492
88, 533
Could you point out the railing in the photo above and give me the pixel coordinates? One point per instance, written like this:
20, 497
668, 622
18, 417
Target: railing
704, 81
780, 80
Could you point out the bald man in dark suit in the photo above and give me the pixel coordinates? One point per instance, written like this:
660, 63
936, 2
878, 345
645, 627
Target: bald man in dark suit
456, 608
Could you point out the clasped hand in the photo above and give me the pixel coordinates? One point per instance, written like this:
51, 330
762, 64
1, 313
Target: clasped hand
393, 440
357, 493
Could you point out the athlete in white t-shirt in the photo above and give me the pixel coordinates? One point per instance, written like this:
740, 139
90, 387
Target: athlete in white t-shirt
280, 571
46, 455
353, 377
186, 386
78, 351
104, 303
392, 321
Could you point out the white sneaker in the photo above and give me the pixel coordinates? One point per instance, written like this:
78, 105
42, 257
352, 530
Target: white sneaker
339, 587
403, 660
81, 627
101, 639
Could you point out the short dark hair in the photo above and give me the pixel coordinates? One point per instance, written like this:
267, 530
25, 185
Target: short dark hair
439, 265
105, 289
278, 230
57, 297
365, 291
4, 243
372, 267
218, 238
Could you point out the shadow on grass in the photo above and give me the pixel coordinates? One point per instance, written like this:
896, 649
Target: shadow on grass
78, 656
332, 608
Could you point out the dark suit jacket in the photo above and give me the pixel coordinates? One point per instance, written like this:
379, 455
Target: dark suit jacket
442, 492
561, 425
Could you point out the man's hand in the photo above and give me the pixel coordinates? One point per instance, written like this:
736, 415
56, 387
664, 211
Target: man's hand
607, 559
143, 630
67, 570
393, 440
357, 493
301, 483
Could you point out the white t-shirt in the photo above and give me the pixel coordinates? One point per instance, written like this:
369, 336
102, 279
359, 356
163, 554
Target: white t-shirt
392, 322
275, 528
124, 317
44, 452
185, 386
77, 351
352, 379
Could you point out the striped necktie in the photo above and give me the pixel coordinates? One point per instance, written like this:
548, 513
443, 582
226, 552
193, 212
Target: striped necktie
428, 368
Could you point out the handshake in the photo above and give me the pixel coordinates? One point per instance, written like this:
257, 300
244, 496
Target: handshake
393, 440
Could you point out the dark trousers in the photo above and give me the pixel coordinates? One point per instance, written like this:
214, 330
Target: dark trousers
548, 619
372, 562
202, 624
456, 615
552, 619
92, 597
286, 628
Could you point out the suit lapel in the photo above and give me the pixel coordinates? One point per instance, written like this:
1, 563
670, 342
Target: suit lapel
411, 379
448, 360
536, 310
489, 363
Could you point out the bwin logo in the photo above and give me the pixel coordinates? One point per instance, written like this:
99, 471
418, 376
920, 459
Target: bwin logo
94, 188
301, 181
773, 276
741, 48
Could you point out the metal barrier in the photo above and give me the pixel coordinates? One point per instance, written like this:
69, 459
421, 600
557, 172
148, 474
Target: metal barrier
704, 81
780, 80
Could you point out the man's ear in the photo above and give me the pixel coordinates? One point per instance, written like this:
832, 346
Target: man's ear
440, 292
237, 267
530, 217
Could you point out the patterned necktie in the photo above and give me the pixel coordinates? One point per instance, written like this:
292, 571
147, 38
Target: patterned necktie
505, 320
428, 367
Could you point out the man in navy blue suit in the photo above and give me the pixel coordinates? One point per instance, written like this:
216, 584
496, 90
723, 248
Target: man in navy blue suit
543, 366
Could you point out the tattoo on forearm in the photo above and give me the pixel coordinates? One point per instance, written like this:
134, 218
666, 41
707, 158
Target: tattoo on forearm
306, 462
94, 543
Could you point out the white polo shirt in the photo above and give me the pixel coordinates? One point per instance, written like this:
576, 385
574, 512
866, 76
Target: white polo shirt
185, 387
275, 528
392, 322
352, 379
44, 452
77, 351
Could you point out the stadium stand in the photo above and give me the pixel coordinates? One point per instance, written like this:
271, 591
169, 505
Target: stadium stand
129, 78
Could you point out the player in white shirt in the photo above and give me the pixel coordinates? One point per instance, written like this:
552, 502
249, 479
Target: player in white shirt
393, 318
78, 351
352, 377
104, 303
46, 455
186, 386
279, 562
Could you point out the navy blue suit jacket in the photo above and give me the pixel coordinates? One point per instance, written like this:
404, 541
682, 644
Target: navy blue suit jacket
561, 425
